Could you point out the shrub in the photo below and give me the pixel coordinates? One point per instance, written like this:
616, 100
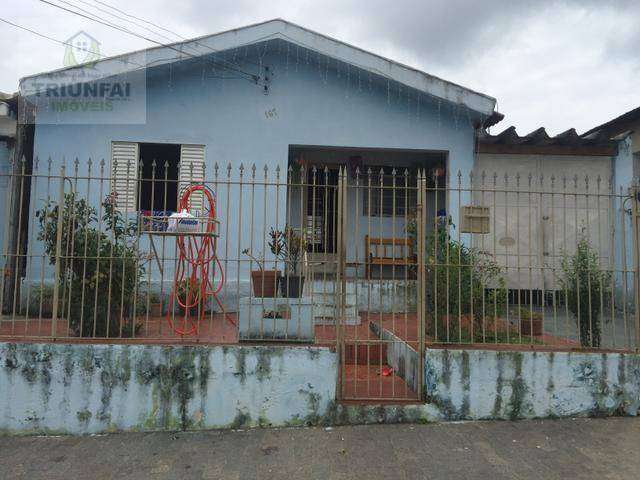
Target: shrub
587, 287
460, 281
39, 302
100, 270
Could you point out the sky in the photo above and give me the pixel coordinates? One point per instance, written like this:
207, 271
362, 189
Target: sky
552, 63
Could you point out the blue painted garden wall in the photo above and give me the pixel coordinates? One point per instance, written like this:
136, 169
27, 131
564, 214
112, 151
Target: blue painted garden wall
56, 388
97, 388
312, 100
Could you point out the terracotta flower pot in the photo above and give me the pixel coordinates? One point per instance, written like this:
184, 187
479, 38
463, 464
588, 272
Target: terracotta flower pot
264, 282
291, 286
531, 327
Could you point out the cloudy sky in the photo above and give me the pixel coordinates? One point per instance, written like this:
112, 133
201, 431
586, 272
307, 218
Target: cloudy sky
552, 63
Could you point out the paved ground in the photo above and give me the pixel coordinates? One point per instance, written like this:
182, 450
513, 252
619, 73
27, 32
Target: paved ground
562, 449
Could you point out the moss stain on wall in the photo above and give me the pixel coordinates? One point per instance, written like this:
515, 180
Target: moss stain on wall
174, 385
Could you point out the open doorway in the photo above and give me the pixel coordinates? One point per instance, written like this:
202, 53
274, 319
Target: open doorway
321, 205
381, 203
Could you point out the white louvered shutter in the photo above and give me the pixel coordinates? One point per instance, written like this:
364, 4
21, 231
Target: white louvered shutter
192, 172
124, 174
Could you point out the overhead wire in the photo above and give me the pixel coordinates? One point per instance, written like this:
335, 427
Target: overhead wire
251, 77
42, 35
119, 17
140, 19
181, 37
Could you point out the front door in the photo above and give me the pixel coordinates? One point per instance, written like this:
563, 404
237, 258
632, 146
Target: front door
321, 210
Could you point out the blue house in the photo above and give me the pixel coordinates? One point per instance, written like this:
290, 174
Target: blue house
272, 95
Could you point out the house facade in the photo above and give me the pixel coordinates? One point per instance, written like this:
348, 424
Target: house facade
307, 99
307, 158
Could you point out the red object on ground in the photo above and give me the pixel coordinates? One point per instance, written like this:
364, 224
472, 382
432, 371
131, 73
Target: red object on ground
196, 257
386, 371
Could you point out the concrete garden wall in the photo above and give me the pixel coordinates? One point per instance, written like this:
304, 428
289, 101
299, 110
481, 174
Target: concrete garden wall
482, 384
51, 388
46, 388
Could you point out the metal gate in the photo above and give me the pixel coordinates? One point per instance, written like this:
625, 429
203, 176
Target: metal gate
381, 351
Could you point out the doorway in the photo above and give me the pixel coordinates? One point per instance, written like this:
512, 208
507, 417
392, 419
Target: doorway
321, 193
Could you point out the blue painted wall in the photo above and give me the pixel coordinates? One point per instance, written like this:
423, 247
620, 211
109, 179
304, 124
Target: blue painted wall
311, 101
96, 388
623, 180
79, 389
5, 169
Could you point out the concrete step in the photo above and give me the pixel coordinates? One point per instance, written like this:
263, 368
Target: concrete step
328, 286
348, 320
329, 298
330, 311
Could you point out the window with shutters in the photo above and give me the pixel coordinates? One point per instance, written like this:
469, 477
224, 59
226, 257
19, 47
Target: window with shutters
151, 177
192, 173
124, 175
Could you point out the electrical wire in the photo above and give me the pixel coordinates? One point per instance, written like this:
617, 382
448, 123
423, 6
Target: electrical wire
141, 19
106, 57
94, 18
119, 17
42, 35
165, 29
111, 24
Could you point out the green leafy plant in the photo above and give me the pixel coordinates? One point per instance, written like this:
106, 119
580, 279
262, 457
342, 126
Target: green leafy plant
464, 287
39, 302
100, 270
587, 288
189, 292
287, 245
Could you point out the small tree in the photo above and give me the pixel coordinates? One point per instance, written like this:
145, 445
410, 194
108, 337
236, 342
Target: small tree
460, 281
100, 270
586, 287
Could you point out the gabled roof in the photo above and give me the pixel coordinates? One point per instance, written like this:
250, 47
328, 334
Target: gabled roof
616, 126
539, 142
295, 34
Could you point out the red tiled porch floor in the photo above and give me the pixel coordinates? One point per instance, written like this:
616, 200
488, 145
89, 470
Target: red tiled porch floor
367, 383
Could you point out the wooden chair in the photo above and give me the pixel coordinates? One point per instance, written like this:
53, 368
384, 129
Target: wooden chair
384, 251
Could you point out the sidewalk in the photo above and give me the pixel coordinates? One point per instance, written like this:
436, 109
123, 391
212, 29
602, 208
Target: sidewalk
572, 448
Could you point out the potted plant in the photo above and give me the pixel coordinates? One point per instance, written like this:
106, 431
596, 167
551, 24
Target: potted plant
288, 245
530, 322
155, 305
188, 292
263, 281
148, 303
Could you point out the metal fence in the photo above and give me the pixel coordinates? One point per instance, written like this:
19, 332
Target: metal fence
375, 260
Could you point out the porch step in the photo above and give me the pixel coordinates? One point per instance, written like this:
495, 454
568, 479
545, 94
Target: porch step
327, 286
325, 298
324, 302
326, 315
